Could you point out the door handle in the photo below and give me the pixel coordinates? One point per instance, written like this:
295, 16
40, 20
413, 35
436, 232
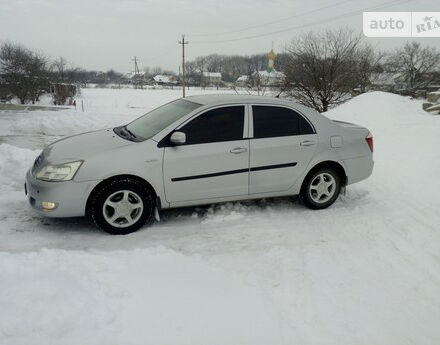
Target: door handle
238, 150
307, 143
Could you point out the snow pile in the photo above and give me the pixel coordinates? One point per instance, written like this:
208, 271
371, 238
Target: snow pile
406, 142
14, 162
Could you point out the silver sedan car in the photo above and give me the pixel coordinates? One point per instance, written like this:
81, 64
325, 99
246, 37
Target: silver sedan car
199, 150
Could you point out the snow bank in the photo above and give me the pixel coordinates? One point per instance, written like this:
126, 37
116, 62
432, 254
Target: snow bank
406, 141
153, 296
14, 162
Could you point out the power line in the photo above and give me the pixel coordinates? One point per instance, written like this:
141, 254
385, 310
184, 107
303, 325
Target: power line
274, 21
344, 15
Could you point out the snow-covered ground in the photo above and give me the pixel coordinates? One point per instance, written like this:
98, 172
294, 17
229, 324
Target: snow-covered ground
365, 271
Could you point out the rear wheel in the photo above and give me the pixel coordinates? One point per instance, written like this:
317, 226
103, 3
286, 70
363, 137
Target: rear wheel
122, 206
321, 189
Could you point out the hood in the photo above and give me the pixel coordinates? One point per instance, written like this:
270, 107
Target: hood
83, 145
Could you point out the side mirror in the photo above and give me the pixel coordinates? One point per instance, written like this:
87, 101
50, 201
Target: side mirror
178, 138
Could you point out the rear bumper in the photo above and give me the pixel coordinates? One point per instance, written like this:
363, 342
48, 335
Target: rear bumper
359, 168
70, 197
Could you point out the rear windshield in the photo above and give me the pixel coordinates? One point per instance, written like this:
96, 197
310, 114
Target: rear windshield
160, 118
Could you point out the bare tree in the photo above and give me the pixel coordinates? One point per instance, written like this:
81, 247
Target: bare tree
156, 70
320, 71
255, 63
147, 72
23, 70
414, 62
59, 66
38, 76
366, 62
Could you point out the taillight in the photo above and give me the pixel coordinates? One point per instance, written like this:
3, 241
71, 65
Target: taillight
369, 139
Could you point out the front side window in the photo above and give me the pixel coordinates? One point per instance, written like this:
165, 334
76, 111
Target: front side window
220, 124
160, 118
272, 122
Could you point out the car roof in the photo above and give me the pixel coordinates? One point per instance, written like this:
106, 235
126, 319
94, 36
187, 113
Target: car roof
218, 99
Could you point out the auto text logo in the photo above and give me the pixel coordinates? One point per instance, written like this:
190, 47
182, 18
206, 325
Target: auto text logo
401, 24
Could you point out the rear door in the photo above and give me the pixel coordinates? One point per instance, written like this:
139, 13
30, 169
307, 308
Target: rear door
282, 144
214, 162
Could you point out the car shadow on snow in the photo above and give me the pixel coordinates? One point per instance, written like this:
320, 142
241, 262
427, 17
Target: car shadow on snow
222, 212
170, 216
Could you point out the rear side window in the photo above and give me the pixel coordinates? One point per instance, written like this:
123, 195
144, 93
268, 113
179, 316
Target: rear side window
220, 124
272, 122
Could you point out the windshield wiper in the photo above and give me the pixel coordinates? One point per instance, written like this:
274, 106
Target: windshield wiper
125, 133
129, 132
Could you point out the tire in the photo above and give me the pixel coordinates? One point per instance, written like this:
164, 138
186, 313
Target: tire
318, 195
122, 206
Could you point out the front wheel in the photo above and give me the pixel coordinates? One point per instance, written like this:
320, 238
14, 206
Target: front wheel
321, 189
122, 206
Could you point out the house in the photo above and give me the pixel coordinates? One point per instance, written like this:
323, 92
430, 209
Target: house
62, 93
211, 78
270, 78
386, 81
166, 80
397, 82
261, 78
242, 81
267, 78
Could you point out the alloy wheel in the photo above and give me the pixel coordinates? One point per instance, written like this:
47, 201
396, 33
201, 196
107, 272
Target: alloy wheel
123, 208
322, 188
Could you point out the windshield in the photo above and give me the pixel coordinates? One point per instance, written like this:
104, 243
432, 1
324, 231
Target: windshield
158, 119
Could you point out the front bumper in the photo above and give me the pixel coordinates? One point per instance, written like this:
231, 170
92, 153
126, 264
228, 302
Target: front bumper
70, 197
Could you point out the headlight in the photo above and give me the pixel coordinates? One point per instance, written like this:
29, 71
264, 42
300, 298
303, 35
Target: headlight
59, 172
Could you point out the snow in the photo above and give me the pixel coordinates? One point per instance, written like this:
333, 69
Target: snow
174, 298
365, 271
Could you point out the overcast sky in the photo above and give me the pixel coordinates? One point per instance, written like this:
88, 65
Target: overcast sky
104, 34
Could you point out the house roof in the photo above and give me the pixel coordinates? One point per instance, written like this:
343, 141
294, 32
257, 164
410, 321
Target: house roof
243, 78
271, 74
263, 74
162, 78
212, 74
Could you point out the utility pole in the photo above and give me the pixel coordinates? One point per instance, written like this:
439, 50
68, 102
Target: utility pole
137, 76
183, 42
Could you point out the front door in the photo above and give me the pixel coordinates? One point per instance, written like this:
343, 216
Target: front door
214, 161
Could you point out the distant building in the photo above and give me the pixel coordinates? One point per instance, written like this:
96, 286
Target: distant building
386, 81
397, 82
167, 80
63, 93
211, 78
268, 77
